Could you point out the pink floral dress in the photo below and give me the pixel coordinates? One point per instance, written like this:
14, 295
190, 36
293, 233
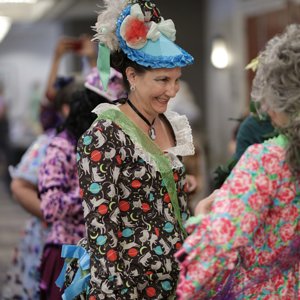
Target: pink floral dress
248, 247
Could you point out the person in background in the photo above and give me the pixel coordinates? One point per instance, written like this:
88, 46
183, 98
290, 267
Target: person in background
131, 176
4, 130
23, 276
58, 180
246, 244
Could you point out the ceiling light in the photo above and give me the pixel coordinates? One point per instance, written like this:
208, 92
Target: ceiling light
17, 1
219, 53
5, 24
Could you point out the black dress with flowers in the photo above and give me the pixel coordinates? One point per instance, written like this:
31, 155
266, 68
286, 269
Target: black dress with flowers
130, 212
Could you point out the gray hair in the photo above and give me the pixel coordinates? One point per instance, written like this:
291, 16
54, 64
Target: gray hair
276, 86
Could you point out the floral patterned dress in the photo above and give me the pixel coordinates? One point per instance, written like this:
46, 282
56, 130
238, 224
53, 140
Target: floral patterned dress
22, 280
134, 199
248, 246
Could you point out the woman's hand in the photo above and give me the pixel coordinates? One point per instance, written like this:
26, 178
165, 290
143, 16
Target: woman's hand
192, 183
204, 205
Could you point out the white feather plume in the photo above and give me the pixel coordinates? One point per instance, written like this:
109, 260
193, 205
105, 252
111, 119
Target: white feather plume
106, 23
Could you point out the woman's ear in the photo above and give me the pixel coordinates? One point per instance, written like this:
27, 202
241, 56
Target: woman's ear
131, 75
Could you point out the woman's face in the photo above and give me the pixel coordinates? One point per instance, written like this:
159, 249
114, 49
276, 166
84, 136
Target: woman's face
279, 119
154, 88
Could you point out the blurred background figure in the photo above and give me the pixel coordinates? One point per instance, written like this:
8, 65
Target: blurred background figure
4, 129
23, 277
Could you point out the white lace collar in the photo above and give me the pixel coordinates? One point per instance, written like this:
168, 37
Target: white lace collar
182, 131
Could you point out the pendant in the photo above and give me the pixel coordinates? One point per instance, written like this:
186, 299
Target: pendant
152, 133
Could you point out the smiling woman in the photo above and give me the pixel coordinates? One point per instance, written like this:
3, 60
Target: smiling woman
135, 221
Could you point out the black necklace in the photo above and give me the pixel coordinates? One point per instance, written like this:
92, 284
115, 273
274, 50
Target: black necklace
151, 131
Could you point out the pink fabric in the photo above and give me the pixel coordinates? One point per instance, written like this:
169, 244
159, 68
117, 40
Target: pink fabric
249, 244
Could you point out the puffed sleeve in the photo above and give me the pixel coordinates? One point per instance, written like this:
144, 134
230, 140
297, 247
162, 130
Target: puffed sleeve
57, 174
101, 155
240, 207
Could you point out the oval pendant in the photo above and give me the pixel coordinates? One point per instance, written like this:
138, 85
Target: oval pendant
152, 133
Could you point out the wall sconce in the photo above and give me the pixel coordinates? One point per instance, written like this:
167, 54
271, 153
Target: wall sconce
5, 24
219, 53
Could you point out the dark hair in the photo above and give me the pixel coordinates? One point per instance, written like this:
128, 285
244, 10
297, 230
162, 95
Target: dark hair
48, 116
64, 94
81, 116
121, 62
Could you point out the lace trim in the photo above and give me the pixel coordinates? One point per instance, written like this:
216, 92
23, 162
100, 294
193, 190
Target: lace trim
183, 135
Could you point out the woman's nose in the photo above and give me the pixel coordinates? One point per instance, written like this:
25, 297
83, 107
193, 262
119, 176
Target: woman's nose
172, 90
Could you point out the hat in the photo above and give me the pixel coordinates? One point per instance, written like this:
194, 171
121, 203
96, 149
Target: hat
115, 89
137, 28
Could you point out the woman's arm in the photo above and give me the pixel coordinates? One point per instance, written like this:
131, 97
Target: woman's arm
26, 194
101, 158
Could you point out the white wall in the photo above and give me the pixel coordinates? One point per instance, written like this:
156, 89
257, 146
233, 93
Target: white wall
25, 58
225, 89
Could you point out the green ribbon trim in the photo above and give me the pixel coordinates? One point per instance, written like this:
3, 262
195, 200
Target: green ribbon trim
162, 162
103, 65
280, 140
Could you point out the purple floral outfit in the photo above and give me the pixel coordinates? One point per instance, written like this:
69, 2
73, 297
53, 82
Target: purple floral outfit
60, 204
22, 281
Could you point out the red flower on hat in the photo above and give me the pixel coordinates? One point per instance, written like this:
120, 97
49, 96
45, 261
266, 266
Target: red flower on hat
136, 31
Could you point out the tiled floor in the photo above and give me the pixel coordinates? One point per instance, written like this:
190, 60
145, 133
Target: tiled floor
12, 220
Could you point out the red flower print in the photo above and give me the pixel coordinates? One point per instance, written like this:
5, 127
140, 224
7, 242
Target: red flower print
259, 237
290, 213
286, 232
240, 241
277, 281
240, 183
256, 202
263, 185
272, 240
265, 257
208, 253
287, 192
252, 164
271, 163
255, 149
236, 207
196, 271
186, 288
249, 256
220, 206
285, 171
249, 223
222, 231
